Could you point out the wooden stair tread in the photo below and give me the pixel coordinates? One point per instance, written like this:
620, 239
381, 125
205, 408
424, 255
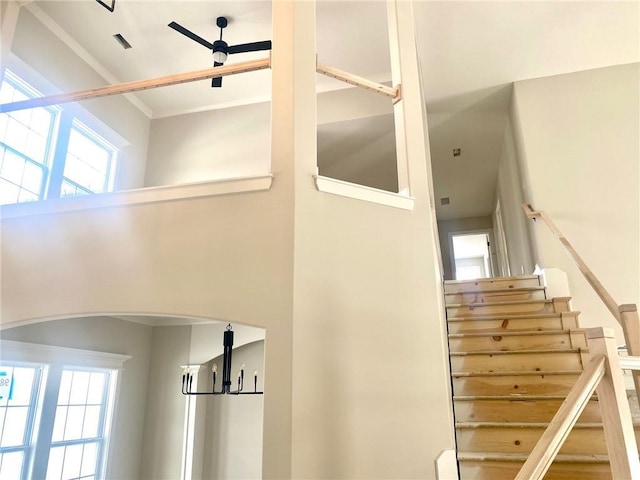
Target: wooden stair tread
516, 373
498, 290
520, 333
514, 397
507, 316
507, 302
492, 279
521, 457
514, 425
519, 352
514, 316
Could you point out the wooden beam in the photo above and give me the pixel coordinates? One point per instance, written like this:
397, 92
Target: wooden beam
560, 426
138, 85
352, 79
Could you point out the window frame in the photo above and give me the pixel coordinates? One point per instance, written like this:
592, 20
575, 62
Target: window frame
67, 117
57, 359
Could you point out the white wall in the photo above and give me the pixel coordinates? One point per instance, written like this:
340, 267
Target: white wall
226, 143
47, 54
510, 194
578, 138
115, 336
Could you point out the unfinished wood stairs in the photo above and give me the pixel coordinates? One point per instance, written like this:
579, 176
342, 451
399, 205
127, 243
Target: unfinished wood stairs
514, 356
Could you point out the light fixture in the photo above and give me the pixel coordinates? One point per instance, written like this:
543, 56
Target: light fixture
111, 7
220, 55
227, 342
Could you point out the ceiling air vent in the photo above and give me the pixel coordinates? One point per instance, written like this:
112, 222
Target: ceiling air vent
122, 41
444, 201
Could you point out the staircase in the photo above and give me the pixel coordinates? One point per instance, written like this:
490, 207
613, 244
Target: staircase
514, 356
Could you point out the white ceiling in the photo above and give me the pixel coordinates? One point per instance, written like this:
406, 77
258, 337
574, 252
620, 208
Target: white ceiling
470, 53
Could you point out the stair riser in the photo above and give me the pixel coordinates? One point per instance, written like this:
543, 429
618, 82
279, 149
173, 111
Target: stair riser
483, 297
514, 384
506, 309
522, 440
518, 411
518, 342
547, 361
492, 284
513, 325
558, 471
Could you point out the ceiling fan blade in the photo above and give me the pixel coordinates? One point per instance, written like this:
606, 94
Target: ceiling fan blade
250, 47
216, 81
179, 28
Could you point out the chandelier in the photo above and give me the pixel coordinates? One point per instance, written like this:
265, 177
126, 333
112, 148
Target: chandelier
227, 342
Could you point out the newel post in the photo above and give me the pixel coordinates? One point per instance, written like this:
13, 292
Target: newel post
631, 327
614, 408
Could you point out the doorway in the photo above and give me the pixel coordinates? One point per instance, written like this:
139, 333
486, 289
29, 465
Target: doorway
471, 256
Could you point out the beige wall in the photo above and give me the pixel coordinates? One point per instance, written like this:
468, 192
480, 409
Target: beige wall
578, 138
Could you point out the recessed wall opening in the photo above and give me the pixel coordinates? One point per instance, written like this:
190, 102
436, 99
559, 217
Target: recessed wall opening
471, 256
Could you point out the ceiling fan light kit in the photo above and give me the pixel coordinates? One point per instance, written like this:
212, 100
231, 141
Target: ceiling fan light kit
220, 49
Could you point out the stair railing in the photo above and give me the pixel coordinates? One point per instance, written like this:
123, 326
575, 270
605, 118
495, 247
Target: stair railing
625, 314
603, 374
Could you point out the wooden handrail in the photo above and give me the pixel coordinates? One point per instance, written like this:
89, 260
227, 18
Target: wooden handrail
138, 85
350, 78
602, 292
554, 436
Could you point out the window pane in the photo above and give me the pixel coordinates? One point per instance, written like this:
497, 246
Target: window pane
96, 387
91, 422
88, 161
11, 465
12, 167
73, 429
56, 460
89, 459
72, 461
22, 386
9, 193
79, 388
36, 147
16, 135
15, 424
59, 424
32, 178
65, 388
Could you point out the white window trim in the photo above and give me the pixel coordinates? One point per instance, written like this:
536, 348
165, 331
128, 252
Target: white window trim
14, 351
361, 192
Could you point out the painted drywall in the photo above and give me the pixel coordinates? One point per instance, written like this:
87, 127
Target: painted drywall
115, 336
509, 193
368, 350
578, 139
35, 45
445, 227
233, 424
226, 143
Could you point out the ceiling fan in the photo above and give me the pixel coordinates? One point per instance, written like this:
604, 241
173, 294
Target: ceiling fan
220, 48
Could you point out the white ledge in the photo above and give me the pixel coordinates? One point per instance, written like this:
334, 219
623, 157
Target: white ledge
39, 353
360, 192
139, 196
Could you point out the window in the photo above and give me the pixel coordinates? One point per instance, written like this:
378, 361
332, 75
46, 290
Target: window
19, 387
54, 418
47, 152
